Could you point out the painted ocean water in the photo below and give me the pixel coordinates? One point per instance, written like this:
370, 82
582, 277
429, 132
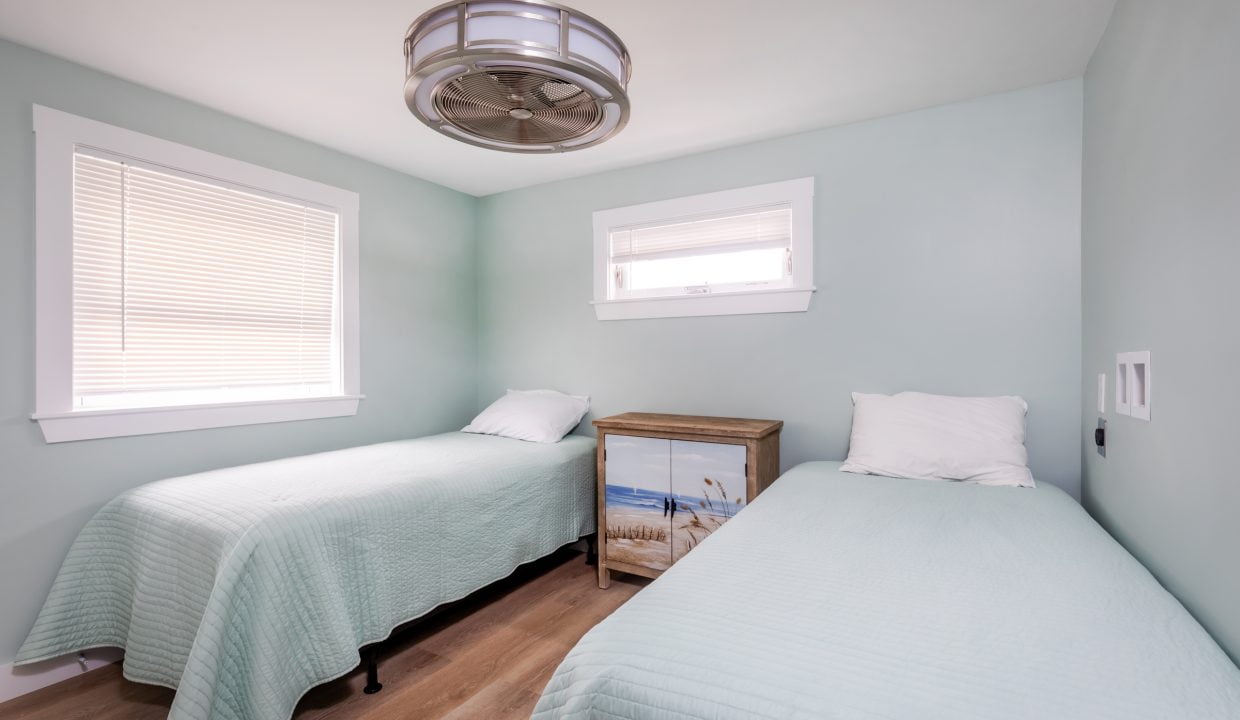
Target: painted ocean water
639, 499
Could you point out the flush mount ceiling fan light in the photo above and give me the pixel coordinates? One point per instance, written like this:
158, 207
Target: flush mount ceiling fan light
525, 76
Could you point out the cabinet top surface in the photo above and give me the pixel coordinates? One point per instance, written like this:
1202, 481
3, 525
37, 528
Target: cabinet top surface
689, 424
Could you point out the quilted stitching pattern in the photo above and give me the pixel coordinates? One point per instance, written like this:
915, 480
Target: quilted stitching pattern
853, 597
243, 588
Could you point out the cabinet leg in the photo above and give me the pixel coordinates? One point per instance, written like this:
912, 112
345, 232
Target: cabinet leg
604, 576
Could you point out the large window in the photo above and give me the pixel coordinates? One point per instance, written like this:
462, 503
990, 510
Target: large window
180, 289
740, 251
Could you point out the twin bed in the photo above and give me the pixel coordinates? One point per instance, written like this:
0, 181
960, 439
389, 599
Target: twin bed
836, 595
833, 595
243, 588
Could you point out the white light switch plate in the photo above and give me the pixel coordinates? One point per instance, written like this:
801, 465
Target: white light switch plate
1102, 393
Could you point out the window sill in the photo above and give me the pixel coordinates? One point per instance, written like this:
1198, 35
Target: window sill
92, 424
738, 303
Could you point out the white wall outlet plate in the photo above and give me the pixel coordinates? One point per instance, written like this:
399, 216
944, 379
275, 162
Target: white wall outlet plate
1132, 384
1139, 364
1121, 385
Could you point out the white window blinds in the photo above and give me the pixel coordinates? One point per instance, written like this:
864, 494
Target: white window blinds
733, 231
737, 250
187, 290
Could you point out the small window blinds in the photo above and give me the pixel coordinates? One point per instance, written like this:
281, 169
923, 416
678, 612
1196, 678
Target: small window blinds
732, 231
187, 290
739, 251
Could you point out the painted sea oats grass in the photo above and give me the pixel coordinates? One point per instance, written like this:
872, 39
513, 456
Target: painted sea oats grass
718, 506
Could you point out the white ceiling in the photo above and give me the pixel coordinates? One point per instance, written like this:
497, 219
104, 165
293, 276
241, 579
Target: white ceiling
705, 74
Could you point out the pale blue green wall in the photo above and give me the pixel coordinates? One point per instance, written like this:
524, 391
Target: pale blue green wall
947, 254
418, 322
1161, 260
948, 259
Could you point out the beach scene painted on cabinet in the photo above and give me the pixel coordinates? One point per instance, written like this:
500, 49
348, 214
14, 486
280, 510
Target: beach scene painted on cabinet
708, 485
664, 497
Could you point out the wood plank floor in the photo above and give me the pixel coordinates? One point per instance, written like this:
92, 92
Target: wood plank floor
488, 656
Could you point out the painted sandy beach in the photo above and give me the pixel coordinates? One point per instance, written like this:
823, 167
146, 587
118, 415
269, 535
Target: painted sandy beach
639, 536
642, 529
664, 497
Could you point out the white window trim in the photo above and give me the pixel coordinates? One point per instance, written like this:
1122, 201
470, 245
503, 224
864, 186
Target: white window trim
799, 192
57, 135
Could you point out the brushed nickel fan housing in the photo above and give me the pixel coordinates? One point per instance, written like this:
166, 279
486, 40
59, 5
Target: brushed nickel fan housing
526, 76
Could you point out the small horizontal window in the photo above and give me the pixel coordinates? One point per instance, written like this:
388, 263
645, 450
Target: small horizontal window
739, 251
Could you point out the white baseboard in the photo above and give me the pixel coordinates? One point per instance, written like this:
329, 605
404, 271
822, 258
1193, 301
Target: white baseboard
16, 681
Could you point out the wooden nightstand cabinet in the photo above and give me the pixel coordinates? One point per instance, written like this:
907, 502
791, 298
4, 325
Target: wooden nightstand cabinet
666, 482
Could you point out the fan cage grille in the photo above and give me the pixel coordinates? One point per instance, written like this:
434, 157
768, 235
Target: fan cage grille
481, 103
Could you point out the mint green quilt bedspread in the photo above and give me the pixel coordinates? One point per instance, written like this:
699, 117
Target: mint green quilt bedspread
243, 588
855, 597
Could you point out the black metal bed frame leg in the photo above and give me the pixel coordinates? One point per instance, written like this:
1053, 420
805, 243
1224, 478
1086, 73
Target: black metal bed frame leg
371, 656
592, 548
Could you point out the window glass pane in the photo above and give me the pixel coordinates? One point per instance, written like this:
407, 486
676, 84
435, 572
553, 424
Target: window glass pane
747, 266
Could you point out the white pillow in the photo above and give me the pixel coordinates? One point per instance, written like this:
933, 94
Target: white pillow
936, 437
542, 416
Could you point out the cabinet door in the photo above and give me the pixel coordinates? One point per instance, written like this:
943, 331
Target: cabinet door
708, 489
638, 501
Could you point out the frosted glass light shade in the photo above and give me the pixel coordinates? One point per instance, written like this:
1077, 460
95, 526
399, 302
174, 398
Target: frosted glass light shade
520, 76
